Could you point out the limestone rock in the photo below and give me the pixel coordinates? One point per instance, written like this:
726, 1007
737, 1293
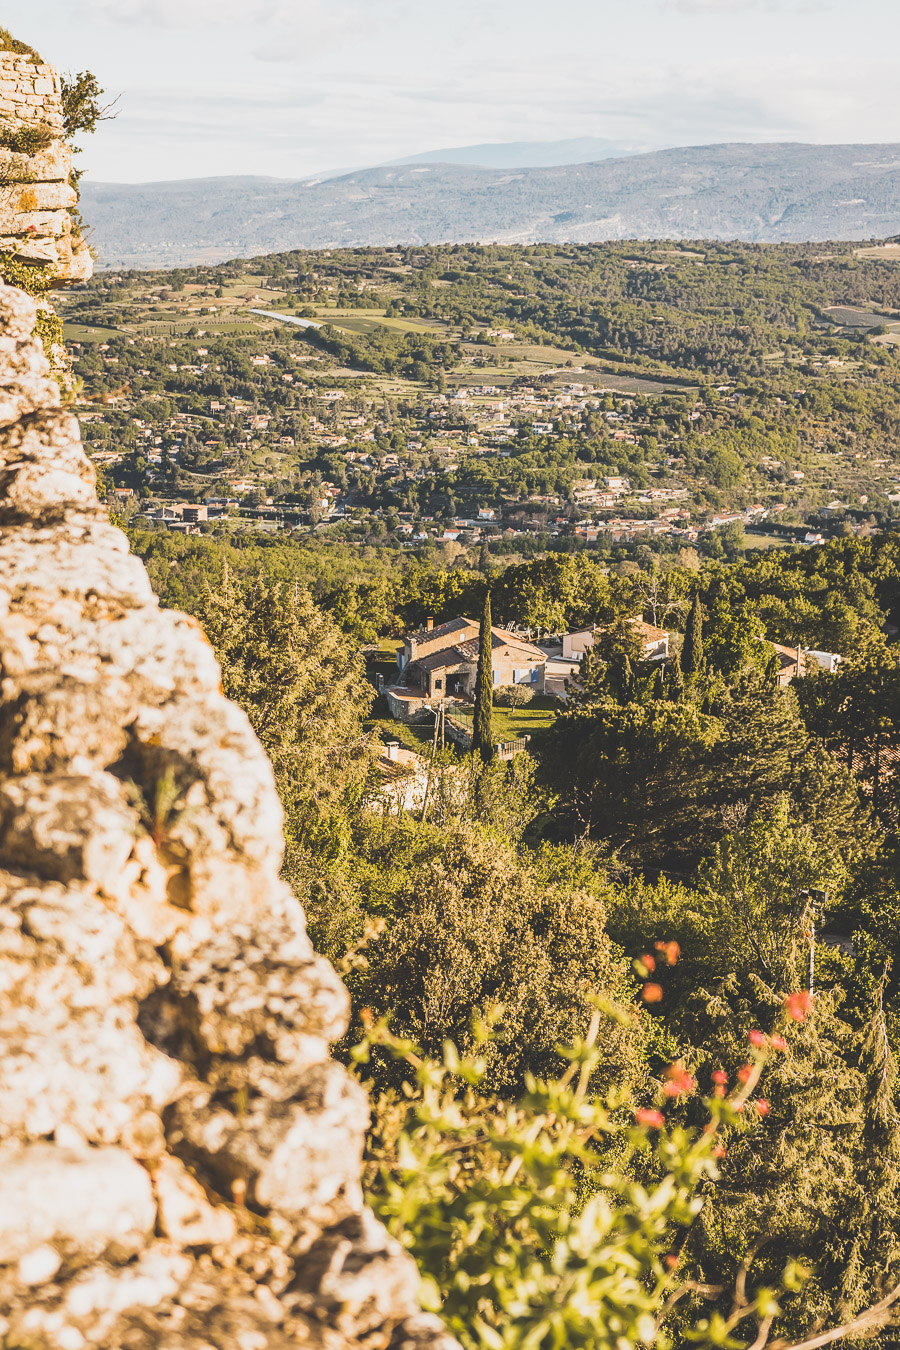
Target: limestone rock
36, 191
179, 1156
90, 1201
185, 1214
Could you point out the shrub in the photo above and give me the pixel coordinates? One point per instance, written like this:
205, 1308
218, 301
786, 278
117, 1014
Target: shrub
513, 695
8, 43
560, 1219
26, 140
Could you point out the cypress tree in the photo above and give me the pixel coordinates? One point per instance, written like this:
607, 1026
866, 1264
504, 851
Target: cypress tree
692, 657
625, 674
482, 731
676, 679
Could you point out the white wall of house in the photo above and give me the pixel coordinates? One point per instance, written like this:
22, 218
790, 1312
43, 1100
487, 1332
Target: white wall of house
574, 645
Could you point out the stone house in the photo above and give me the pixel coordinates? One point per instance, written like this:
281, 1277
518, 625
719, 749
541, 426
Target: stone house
439, 663
430, 639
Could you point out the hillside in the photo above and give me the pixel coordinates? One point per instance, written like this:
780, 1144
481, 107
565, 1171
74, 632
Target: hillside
597, 395
756, 193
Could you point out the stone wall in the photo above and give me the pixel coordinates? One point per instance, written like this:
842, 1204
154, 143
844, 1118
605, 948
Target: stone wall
179, 1156
35, 188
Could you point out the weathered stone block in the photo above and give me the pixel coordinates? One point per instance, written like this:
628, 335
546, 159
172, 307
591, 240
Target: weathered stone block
91, 1200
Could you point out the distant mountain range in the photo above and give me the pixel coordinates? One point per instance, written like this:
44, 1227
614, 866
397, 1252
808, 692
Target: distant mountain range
770, 192
527, 154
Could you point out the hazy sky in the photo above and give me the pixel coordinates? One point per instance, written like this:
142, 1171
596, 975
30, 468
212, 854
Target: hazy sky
294, 87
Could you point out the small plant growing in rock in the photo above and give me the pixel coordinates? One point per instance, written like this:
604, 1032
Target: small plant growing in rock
26, 140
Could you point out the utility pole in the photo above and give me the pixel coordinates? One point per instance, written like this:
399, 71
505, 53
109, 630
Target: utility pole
439, 714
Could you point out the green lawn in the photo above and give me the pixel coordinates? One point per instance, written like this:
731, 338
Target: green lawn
508, 724
413, 735
511, 723
367, 320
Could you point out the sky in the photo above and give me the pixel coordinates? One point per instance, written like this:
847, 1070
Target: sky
292, 88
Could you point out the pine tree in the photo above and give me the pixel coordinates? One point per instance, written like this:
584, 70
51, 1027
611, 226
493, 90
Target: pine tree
482, 730
692, 657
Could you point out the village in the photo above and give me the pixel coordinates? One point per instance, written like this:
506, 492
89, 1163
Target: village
515, 442
610, 509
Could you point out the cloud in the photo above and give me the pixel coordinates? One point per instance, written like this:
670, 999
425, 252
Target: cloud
181, 14
727, 7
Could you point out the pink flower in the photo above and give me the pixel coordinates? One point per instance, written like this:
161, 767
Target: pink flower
649, 961
679, 1081
797, 1005
757, 1038
720, 1076
744, 1073
719, 1151
778, 1043
652, 993
762, 1106
645, 1115
670, 950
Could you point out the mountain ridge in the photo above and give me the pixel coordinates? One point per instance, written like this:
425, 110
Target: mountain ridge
768, 192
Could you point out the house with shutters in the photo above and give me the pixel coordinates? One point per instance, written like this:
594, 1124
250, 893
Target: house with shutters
442, 663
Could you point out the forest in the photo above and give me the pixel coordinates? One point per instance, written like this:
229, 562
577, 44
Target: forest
607, 1090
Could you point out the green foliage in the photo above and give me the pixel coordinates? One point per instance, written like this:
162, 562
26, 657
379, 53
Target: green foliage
818, 1179
659, 780
733, 644
471, 925
36, 280
626, 772
751, 896
82, 109
26, 139
8, 43
856, 712
289, 667
552, 1221
513, 695
693, 659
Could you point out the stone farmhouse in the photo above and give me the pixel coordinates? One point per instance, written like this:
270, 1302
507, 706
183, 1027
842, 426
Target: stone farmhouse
440, 663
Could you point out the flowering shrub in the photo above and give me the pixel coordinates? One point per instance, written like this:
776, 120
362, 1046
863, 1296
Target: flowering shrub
559, 1220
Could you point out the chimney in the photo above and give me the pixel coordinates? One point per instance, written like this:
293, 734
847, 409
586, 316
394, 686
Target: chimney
392, 747
429, 624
